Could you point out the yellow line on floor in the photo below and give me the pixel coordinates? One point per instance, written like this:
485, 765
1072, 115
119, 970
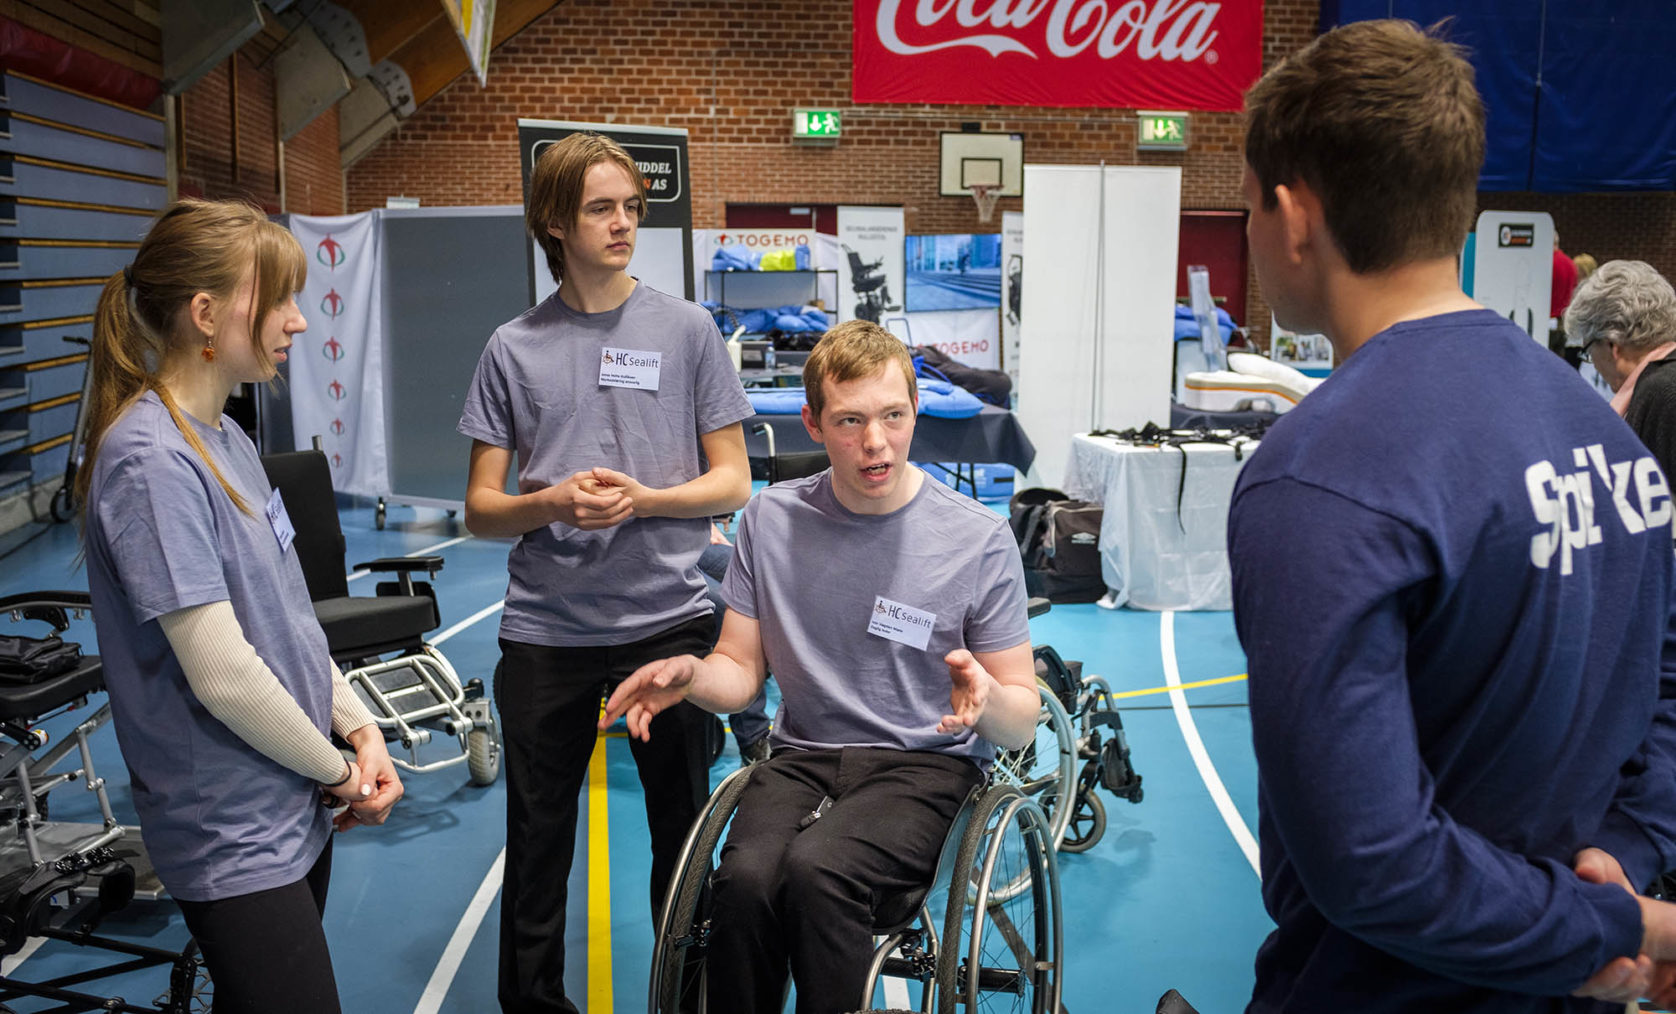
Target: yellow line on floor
1181, 686
599, 882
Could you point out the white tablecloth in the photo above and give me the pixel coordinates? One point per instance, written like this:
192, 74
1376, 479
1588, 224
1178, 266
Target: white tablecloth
1158, 552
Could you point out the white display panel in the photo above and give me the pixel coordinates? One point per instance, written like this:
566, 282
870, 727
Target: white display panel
1096, 341
1513, 267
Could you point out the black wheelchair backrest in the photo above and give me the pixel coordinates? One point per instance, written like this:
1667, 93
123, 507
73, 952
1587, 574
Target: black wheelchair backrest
304, 481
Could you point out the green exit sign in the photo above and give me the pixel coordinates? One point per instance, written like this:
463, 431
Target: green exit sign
819, 124
1162, 131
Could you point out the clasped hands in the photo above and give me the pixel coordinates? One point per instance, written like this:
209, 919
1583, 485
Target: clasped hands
595, 499
372, 787
1650, 974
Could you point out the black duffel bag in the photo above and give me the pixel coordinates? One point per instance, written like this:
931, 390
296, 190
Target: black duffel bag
32, 659
1059, 539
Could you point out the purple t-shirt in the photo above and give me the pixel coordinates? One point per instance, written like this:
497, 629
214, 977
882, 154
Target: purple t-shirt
569, 391
219, 818
823, 582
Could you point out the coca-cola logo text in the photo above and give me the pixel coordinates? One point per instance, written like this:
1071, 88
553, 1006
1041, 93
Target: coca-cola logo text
1168, 30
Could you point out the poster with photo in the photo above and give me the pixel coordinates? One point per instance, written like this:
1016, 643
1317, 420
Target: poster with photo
870, 266
953, 272
1300, 351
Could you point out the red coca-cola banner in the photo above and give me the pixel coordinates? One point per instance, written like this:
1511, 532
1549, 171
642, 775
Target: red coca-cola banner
1142, 54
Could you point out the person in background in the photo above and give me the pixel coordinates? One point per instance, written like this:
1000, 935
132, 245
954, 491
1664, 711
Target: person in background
1463, 702
1564, 281
1586, 266
1624, 317
623, 410
222, 690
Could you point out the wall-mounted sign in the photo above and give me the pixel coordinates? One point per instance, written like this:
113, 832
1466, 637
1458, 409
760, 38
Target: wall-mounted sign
1138, 54
817, 124
1161, 131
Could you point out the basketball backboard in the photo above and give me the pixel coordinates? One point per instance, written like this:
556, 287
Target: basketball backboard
989, 159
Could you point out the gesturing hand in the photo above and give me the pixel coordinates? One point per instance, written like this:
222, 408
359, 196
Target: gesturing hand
968, 694
652, 689
582, 501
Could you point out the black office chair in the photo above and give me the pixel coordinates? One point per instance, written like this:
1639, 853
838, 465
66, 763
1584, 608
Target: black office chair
379, 640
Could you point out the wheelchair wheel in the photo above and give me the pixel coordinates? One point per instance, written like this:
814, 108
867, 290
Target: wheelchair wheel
684, 922
482, 757
1002, 949
1088, 823
1045, 769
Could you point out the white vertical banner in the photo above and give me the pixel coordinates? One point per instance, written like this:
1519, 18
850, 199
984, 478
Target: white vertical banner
1094, 351
337, 365
870, 268
1012, 289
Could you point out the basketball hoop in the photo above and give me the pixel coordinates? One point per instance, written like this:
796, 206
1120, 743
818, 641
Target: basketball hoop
984, 195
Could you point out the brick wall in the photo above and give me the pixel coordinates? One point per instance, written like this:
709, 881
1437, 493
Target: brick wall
730, 74
218, 160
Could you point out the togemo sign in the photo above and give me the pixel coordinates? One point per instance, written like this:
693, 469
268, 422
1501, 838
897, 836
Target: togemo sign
1181, 54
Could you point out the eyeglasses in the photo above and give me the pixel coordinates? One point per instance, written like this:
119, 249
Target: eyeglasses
1583, 354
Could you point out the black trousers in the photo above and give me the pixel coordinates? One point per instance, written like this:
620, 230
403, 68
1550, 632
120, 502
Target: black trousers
266, 951
804, 898
549, 702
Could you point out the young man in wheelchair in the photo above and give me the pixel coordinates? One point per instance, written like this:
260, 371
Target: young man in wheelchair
892, 611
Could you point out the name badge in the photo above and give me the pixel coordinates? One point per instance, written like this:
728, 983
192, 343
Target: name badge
631, 369
280, 522
894, 621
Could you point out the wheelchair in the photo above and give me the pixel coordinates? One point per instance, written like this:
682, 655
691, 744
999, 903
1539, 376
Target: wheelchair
1086, 704
379, 640
60, 879
868, 283
983, 935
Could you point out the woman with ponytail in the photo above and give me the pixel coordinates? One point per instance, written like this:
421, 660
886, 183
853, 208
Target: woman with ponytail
221, 686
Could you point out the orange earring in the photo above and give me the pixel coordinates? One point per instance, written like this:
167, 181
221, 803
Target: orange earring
209, 350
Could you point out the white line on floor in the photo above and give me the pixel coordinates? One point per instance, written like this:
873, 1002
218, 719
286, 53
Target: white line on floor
427, 551
1196, 746
9, 965
486, 611
437, 989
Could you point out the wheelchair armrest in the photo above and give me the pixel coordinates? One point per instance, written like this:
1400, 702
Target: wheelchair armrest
50, 607
1036, 607
402, 564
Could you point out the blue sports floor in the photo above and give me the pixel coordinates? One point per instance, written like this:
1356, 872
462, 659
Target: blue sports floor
1168, 898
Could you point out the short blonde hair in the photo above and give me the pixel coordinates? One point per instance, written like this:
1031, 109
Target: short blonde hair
556, 188
850, 351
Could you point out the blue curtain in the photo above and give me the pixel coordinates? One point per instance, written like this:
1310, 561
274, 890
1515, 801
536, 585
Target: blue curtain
1602, 114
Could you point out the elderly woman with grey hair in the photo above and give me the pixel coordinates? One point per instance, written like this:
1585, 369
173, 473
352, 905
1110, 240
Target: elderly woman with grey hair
1625, 316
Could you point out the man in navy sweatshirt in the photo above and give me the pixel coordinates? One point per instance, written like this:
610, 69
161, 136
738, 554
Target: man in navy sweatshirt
1453, 581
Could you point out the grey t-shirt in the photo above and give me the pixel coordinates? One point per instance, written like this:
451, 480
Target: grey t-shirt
219, 818
545, 390
813, 574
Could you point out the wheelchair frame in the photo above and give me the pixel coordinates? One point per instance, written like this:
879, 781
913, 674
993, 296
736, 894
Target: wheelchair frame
65, 878
953, 966
1087, 702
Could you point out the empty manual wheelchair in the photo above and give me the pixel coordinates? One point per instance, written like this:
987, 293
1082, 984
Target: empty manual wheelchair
1077, 722
1088, 707
983, 934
